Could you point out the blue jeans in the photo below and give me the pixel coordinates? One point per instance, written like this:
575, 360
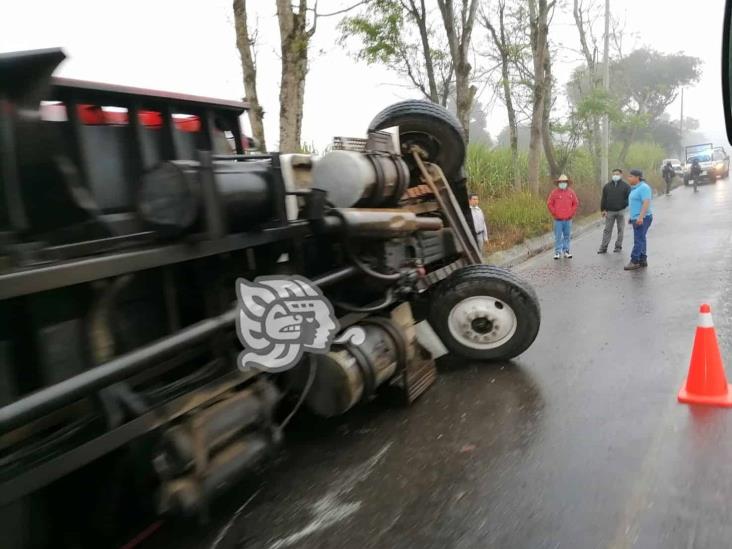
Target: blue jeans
562, 235
638, 254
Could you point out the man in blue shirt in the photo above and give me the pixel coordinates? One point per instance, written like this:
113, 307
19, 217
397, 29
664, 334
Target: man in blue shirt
641, 217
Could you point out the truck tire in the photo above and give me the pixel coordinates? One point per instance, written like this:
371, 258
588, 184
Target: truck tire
432, 127
483, 312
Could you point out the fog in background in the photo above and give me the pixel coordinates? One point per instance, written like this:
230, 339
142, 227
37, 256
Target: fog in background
190, 47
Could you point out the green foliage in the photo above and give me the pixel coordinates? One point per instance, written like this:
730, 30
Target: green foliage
522, 211
307, 148
490, 171
633, 121
647, 81
581, 167
643, 85
388, 33
596, 103
380, 30
513, 216
646, 157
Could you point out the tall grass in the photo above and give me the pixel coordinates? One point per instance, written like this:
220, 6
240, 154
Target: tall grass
514, 217
491, 170
647, 157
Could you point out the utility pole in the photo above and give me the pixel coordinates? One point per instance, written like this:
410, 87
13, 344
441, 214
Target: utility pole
606, 85
681, 127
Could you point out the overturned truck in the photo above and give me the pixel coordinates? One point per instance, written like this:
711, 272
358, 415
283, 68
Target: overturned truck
127, 218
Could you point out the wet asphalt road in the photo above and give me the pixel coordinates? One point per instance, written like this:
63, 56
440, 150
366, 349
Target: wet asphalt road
579, 443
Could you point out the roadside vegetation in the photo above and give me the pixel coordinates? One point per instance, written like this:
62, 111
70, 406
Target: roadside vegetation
514, 215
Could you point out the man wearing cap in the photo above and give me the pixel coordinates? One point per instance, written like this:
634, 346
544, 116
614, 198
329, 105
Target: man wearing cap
562, 204
641, 217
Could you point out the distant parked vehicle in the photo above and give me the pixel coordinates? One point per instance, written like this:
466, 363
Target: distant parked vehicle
675, 164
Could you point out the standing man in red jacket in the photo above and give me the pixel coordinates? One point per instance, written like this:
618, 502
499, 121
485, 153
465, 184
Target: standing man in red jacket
562, 204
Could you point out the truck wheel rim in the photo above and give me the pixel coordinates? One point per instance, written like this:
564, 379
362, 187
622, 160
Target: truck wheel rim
482, 322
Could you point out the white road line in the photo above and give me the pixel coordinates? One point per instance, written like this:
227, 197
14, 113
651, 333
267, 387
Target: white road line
328, 510
225, 529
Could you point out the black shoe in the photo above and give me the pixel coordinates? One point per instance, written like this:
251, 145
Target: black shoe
617, 250
601, 251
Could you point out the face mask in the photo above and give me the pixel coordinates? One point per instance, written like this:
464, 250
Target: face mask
616, 178
562, 185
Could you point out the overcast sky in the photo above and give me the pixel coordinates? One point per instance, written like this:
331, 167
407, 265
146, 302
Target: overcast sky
189, 46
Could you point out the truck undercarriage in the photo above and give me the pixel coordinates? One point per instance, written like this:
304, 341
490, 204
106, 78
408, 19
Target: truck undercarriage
127, 217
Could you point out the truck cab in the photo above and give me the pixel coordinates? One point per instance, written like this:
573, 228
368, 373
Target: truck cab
710, 160
721, 160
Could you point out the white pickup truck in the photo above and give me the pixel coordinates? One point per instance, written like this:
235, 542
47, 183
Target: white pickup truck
714, 162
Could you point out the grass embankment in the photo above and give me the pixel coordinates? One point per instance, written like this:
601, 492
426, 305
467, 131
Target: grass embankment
514, 216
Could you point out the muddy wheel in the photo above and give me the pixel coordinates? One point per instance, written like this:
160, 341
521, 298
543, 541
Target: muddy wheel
485, 313
432, 127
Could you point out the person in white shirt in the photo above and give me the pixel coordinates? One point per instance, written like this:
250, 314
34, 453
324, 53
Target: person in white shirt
481, 230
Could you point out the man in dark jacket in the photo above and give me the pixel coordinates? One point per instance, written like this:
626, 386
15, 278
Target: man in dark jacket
695, 172
613, 205
668, 175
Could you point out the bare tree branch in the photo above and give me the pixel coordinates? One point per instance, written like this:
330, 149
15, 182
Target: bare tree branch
310, 33
339, 12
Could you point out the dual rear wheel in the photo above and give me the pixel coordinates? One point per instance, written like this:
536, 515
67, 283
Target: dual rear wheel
483, 312
480, 312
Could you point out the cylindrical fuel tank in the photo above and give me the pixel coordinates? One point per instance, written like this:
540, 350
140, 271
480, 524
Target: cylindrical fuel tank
345, 373
171, 197
367, 180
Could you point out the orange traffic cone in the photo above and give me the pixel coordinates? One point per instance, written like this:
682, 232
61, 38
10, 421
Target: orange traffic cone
706, 382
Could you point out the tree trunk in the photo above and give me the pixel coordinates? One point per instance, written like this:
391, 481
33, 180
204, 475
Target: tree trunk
294, 42
501, 43
630, 137
546, 135
459, 33
626, 146
420, 16
596, 135
465, 94
535, 141
512, 129
244, 43
546, 130
539, 32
